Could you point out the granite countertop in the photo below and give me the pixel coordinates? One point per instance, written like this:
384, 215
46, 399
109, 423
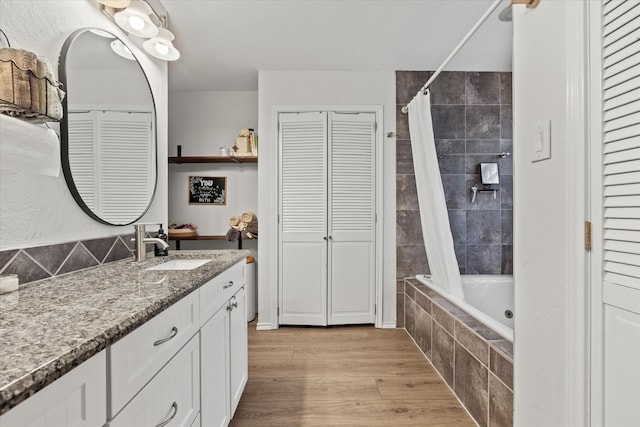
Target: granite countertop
49, 327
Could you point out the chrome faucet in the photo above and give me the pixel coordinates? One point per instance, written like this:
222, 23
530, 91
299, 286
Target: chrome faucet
141, 243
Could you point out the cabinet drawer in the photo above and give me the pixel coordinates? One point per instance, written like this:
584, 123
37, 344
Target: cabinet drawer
75, 399
136, 358
215, 293
173, 396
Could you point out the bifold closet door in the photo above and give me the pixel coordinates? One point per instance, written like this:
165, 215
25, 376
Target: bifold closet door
303, 218
351, 218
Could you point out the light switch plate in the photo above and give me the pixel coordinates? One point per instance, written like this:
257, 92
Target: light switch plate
541, 141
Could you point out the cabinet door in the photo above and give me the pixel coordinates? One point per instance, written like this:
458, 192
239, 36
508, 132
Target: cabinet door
303, 218
352, 204
214, 353
136, 358
238, 347
172, 396
76, 399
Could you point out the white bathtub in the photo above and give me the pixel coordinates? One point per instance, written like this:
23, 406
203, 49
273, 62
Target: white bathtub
488, 298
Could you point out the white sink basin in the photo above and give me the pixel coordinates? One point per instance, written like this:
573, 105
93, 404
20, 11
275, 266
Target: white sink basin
180, 264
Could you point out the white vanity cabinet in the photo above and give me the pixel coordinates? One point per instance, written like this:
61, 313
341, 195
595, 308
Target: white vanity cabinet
224, 366
76, 399
172, 398
139, 356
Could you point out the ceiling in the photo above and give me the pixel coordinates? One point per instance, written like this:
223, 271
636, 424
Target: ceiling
225, 42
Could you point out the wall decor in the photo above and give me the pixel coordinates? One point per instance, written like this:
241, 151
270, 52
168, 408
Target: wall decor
207, 190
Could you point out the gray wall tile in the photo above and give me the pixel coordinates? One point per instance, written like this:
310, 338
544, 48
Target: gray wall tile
450, 146
408, 83
448, 88
482, 88
412, 260
26, 269
51, 257
483, 227
506, 192
406, 194
400, 310
423, 331
99, 248
484, 259
455, 191
402, 124
448, 121
471, 384
458, 222
471, 113
506, 227
483, 122
505, 88
409, 228
480, 146
472, 342
500, 404
5, 257
79, 259
501, 368
506, 122
442, 352
506, 262
451, 163
410, 315
404, 157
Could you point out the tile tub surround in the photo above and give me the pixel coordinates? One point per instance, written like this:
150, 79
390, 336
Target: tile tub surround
472, 118
474, 361
43, 262
50, 327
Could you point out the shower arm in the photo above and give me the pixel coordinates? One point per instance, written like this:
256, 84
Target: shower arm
530, 4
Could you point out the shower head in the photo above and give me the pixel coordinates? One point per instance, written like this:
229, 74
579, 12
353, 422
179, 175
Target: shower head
505, 14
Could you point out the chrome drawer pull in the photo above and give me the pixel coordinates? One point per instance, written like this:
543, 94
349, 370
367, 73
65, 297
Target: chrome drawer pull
174, 332
230, 284
174, 407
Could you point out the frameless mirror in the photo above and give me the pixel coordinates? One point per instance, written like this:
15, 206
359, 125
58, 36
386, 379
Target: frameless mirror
108, 133
489, 173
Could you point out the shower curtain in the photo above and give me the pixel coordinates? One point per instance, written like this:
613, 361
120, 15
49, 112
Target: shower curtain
436, 230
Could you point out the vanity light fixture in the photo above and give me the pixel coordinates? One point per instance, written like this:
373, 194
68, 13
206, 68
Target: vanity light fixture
118, 47
116, 4
135, 19
141, 19
161, 47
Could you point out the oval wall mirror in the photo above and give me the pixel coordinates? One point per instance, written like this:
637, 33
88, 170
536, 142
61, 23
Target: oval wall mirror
108, 133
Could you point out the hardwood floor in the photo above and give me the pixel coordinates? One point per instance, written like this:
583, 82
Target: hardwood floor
337, 376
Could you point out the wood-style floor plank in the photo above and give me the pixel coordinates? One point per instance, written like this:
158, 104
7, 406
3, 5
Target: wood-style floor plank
343, 376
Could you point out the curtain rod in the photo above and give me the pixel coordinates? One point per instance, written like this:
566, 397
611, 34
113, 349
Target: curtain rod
494, 5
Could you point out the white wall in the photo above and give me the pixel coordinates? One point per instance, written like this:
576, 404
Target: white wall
202, 122
548, 73
39, 210
320, 88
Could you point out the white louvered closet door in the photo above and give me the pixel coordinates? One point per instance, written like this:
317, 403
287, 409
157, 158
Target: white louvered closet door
82, 133
621, 211
303, 218
351, 218
125, 186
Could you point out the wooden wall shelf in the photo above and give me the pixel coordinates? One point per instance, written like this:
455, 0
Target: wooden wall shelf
213, 159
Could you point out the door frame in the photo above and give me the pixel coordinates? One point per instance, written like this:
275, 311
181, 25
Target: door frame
579, 200
379, 211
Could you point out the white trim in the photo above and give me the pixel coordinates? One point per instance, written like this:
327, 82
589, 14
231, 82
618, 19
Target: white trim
577, 292
388, 325
265, 326
379, 256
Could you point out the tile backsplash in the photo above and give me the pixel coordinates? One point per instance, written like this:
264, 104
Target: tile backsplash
42, 262
472, 119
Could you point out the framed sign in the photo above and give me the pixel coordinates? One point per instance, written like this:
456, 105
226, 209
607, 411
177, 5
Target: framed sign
207, 190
